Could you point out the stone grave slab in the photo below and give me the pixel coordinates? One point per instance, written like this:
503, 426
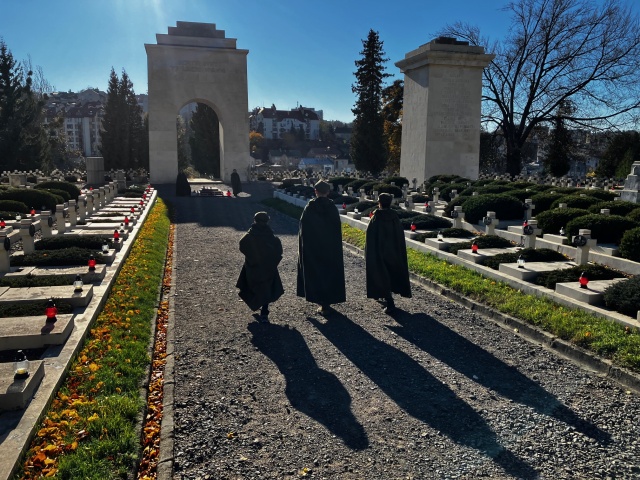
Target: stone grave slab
531, 269
445, 243
606, 249
42, 294
483, 253
559, 239
21, 333
593, 294
16, 394
70, 272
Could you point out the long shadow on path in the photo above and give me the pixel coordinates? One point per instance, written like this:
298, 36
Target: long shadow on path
310, 389
482, 367
418, 392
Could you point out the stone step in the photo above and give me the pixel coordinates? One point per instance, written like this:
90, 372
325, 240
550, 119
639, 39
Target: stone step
593, 294
559, 239
69, 272
445, 243
16, 394
66, 294
483, 253
530, 270
24, 333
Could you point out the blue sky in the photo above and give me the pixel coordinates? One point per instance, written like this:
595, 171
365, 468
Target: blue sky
300, 52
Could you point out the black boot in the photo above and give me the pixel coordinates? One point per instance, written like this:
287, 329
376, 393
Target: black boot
391, 306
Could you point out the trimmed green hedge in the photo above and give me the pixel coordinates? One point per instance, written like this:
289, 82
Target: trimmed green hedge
543, 201
72, 190
13, 206
446, 232
528, 254
552, 220
576, 201
593, 272
604, 228
630, 245
425, 222
624, 296
505, 206
57, 258
483, 241
615, 208
32, 197
93, 242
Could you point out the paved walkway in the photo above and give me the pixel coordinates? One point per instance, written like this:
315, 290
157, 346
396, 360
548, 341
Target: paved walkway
437, 391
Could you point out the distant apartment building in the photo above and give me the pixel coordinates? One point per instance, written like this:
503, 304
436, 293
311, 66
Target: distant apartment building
82, 114
274, 124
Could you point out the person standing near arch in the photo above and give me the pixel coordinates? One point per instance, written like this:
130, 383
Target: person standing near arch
236, 186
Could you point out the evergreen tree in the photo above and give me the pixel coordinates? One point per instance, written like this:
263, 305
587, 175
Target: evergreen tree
558, 160
23, 140
124, 137
368, 148
392, 98
205, 142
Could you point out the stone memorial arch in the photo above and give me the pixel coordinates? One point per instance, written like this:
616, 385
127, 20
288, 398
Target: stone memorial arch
194, 62
442, 107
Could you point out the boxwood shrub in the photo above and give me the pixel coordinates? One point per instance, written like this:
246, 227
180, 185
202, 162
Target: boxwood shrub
505, 206
13, 206
32, 197
68, 187
604, 195
630, 245
575, 201
32, 309
624, 296
364, 206
60, 193
634, 215
447, 232
93, 242
385, 188
528, 254
335, 181
399, 181
27, 281
425, 222
543, 201
289, 182
483, 241
593, 272
57, 258
552, 220
356, 184
604, 228
615, 208
339, 199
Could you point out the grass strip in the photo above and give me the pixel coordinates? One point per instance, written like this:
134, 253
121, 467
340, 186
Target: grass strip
91, 430
605, 338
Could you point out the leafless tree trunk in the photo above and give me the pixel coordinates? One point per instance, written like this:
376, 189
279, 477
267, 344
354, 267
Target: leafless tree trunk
559, 52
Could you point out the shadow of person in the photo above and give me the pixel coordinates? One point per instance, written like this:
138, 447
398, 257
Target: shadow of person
310, 389
484, 368
418, 392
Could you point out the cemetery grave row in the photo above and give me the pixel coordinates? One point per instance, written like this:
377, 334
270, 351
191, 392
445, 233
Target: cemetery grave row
56, 270
498, 219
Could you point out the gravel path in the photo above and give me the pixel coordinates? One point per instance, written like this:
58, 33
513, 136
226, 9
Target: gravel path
436, 392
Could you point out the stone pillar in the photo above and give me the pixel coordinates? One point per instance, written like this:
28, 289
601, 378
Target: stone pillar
375, 195
95, 170
458, 216
490, 222
62, 226
454, 194
441, 115
27, 229
363, 196
82, 208
528, 207
605, 211
530, 240
5, 255
90, 206
73, 214
583, 242
45, 227
436, 194
103, 197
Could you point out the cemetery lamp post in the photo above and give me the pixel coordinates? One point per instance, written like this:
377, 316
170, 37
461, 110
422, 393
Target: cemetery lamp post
78, 284
51, 311
92, 263
584, 280
20, 366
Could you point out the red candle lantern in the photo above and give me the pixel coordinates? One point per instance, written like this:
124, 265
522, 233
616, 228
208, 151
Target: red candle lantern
525, 223
584, 280
51, 311
228, 193
133, 210
116, 234
126, 221
144, 196
141, 203
2, 223
33, 211
92, 263
474, 247
413, 227
371, 214
344, 206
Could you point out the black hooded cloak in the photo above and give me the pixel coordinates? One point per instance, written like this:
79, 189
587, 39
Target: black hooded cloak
259, 281
320, 263
236, 186
386, 256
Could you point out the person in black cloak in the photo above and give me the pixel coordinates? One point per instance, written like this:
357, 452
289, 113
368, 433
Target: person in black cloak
236, 186
259, 281
385, 254
320, 262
